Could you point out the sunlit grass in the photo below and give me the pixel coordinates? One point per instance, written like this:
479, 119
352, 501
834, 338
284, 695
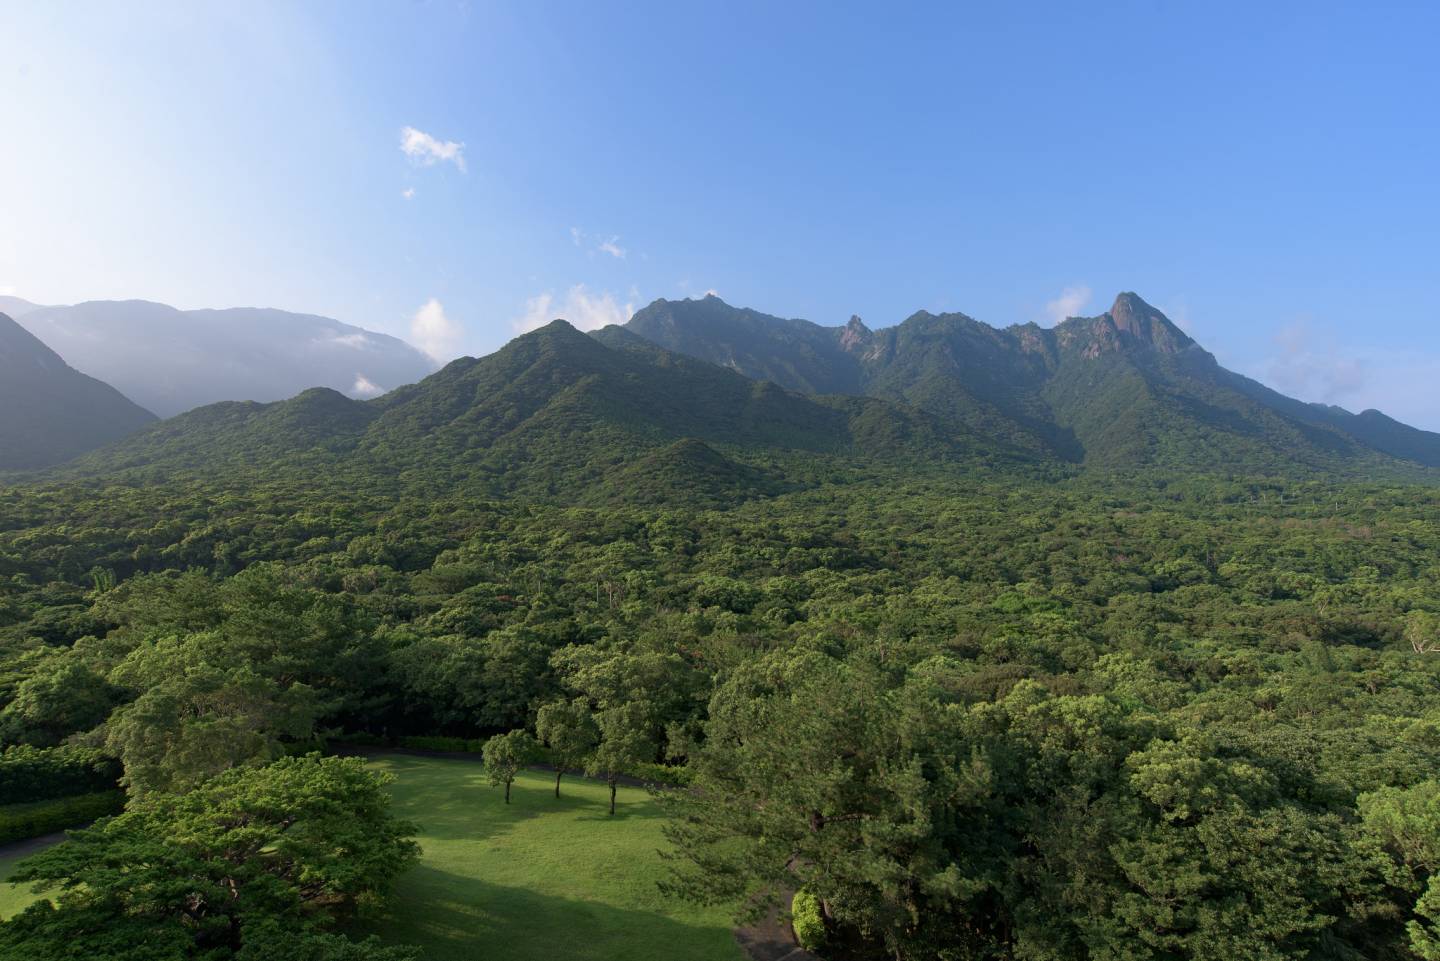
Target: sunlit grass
540, 878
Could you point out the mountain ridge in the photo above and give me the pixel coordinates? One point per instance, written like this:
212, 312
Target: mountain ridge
1127, 387
50, 412
555, 413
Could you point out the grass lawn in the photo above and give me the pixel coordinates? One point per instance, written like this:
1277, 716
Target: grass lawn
540, 878
15, 898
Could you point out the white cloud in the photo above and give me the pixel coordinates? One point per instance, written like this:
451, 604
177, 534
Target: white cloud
577, 236
612, 247
408, 193
1071, 301
712, 292
355, 341
364, 387
583, 309
427, 151
6, 290
435, 334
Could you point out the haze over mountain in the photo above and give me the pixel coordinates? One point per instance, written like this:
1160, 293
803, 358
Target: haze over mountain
1125, 388
170, 360
50, 412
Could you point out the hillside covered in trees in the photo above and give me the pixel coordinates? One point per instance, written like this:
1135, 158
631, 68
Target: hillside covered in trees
970, 695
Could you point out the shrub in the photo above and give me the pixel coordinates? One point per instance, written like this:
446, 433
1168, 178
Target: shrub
807, 921
21, 821
670, 775
41, 774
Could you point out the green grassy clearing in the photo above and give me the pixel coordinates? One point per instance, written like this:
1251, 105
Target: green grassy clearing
541, 878
14, 898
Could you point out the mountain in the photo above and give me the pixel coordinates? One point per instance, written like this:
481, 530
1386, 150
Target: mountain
558, 413
50, 412
171, 360
1124, 389
15, 307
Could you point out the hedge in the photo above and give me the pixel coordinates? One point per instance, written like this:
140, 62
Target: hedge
21, 821
42, 774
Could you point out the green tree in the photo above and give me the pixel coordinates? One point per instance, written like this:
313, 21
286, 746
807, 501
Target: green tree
626, 740
506, 756
569, 728
245, 862
1405, 823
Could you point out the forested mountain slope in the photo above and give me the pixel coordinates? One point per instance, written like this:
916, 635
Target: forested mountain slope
557, 413
1125, 389
50, 412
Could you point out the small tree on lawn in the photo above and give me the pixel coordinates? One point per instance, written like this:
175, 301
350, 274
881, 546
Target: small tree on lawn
625, 740
506, 754
570, 730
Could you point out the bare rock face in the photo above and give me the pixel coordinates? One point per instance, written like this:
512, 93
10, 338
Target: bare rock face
1135, 318
855, 335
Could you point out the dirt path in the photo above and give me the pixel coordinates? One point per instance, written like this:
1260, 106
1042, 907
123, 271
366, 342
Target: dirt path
771, 939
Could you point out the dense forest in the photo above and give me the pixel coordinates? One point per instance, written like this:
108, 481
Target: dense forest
972, 716
1131, 661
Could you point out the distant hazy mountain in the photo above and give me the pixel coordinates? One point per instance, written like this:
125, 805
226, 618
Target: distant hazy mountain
50, 412
15, 307
170, 360
1126, 388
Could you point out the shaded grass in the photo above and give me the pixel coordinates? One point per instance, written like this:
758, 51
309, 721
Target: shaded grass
540, 878
15, 898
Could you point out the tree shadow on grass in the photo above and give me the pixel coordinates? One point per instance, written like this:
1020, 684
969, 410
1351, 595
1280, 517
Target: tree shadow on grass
457, 918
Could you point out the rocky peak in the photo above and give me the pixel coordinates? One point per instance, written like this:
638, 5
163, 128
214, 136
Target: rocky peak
855, 335
1134, 318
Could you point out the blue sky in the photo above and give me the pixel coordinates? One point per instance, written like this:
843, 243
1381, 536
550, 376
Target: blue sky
1269, 174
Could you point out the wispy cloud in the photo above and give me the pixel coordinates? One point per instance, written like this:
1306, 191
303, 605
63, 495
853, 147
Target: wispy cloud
610, 245
1310, 366
355, 341
1309, 363
582, 308
408, 193
434, 333
6, 290
426, 151
1071, 301
365, 387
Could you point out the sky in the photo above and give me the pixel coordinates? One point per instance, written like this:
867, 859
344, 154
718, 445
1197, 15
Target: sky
456, 173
